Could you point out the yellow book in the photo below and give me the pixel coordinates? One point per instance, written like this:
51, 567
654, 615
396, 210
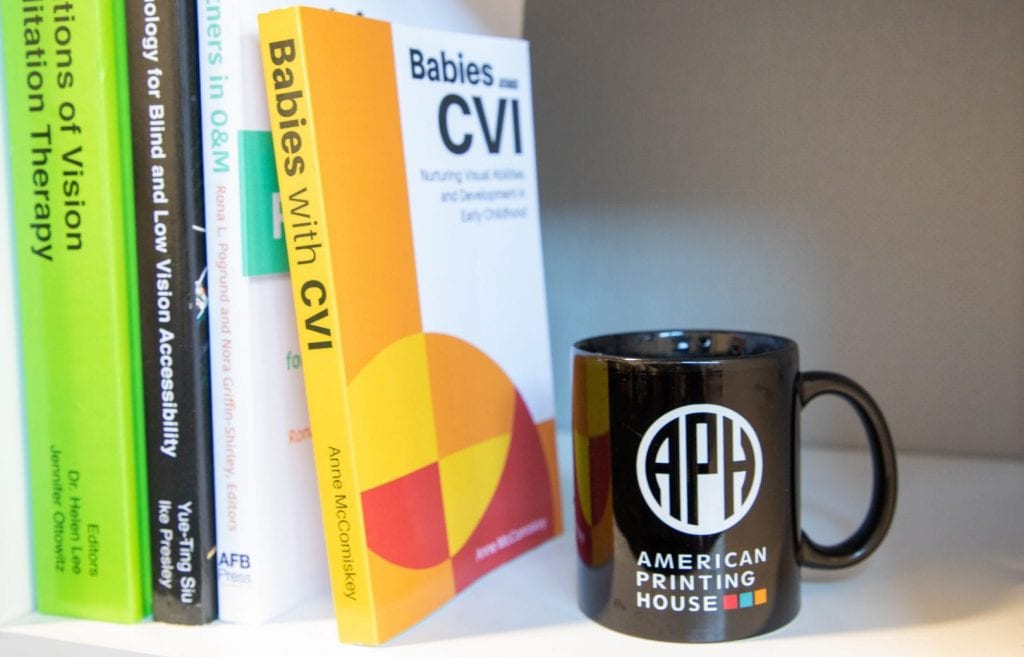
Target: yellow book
407, 171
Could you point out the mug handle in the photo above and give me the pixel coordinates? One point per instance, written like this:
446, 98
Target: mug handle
872, 530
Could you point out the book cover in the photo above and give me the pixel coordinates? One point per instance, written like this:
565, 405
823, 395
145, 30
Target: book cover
15, 549
409, 198
269, 536
67, 111
171, 242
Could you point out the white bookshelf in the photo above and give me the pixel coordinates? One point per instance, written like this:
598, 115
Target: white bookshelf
948, 580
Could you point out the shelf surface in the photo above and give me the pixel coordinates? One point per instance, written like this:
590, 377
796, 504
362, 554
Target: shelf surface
948, 580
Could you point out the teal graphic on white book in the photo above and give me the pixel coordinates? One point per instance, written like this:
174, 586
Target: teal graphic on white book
262, 228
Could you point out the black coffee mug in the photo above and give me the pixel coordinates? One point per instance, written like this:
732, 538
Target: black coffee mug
686, 448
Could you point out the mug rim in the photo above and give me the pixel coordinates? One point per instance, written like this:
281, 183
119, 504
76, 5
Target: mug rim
601, 346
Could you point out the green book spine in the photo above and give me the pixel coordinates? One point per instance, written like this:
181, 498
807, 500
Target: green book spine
67, 108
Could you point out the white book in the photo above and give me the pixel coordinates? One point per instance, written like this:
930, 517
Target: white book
269, 537
15, 547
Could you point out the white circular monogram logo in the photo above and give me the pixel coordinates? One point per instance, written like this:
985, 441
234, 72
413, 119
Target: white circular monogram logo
699, 468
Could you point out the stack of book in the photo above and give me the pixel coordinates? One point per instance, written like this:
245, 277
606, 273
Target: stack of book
235, 394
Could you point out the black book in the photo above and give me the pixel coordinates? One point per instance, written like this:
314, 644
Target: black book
164, 93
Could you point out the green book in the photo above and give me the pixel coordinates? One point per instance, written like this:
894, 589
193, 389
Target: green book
70, 150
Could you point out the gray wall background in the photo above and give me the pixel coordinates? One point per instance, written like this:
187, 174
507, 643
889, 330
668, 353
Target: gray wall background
850, 174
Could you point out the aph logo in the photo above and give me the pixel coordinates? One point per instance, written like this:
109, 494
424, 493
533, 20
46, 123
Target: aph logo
699, 468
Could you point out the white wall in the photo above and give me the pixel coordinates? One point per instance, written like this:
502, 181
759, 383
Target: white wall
850, 174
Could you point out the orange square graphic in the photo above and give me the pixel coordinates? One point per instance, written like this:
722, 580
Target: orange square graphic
760, 596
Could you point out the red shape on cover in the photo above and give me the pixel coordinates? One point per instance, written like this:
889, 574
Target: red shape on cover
599, 450
599, 464
519, 517
584, 533
405, 519
730, 601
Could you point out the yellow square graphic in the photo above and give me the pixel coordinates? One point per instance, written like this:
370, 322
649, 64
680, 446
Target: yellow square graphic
391, 416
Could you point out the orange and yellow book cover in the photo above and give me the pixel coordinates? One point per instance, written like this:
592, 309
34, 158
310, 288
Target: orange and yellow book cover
407, 171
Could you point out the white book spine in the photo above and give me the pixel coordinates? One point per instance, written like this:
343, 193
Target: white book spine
218, 100
252, 486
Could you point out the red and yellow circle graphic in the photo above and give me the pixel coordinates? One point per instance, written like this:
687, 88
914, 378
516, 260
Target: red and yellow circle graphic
455, 477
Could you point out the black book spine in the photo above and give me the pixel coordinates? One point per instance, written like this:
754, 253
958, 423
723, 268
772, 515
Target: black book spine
166, 148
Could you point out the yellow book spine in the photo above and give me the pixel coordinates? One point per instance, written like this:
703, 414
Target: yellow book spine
302, 198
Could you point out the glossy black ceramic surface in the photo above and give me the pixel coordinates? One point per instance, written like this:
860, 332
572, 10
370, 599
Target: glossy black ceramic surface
687, 468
